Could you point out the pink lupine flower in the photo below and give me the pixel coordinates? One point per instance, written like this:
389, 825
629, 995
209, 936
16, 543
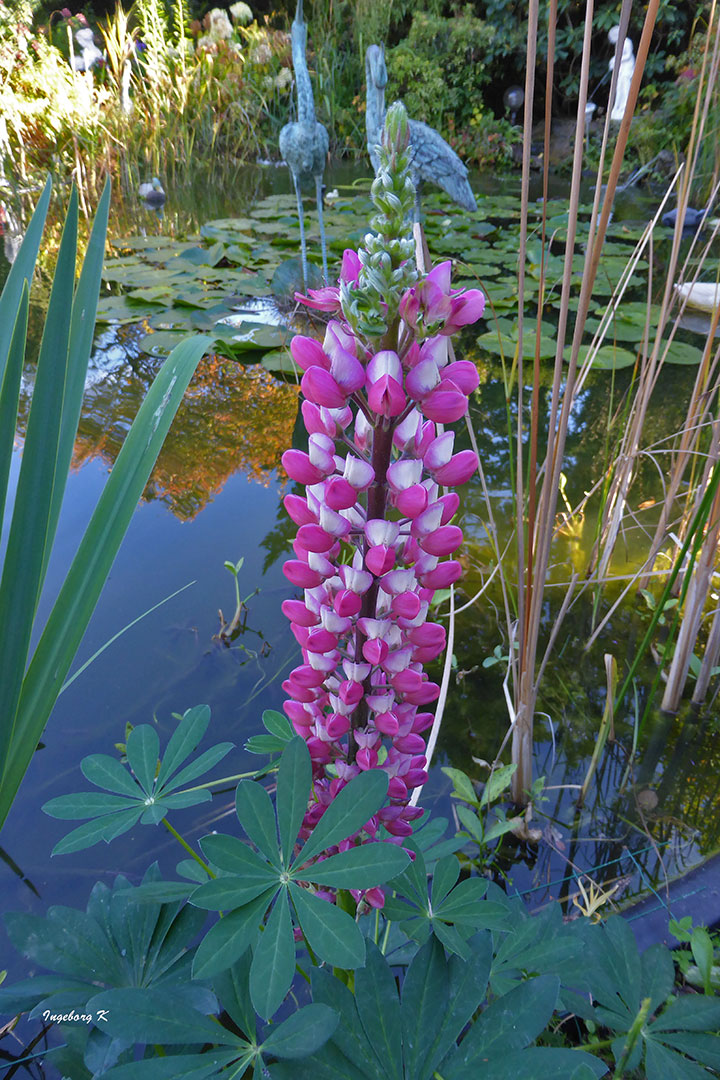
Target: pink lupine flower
374, 529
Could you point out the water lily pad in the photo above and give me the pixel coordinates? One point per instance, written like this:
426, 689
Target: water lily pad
607, 358
288, 278
280, 361
161, 342
682, 353
121, 309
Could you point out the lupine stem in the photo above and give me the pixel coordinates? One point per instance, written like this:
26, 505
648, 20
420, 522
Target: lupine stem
181, 840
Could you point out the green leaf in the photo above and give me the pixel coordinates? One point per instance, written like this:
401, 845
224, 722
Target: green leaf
229, 938
664, 1064
378, 1007
24, 562
349, 811
330, 932
303, 1033
86, 805
277, 724
360, 867
82, 333
180, 1066
104, 828
293, 792
446, 874
349, 1037
539, 1063
248, 870
498, 781
255, 813
208, 760
233, 992
464, 904
689, 1013
10, 379
462, 785
152, 1016
186, 798
107, 772
21, 271
183, 741
80, 591
509, 1023
143, 749
424, 1005
702, 950
658, 975
273, 964
703, 1047
467, 986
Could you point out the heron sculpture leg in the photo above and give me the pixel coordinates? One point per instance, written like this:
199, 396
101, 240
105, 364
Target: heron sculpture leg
319, 200
303, 251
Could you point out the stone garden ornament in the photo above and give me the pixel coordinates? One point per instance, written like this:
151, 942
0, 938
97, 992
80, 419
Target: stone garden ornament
625, 74
430, 156
304, 144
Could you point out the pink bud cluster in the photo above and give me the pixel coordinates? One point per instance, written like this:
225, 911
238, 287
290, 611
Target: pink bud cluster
375, 539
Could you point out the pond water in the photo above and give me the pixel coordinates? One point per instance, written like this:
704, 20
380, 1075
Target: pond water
215, 496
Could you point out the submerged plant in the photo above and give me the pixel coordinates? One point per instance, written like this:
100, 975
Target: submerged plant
373, 525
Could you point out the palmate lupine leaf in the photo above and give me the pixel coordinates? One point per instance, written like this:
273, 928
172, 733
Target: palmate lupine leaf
250, 881
301, 1034
122, 943
143, 797
382, 1036
678, 1038
452, 913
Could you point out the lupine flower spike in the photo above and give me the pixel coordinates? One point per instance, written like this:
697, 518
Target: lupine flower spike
375, 536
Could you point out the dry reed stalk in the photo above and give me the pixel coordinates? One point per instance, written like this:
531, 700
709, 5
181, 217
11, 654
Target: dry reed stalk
696, 597
624, 473
544, 519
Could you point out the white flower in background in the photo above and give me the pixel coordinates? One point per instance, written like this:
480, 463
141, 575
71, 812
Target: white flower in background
241, 13
284, 79
261, 54
218, 24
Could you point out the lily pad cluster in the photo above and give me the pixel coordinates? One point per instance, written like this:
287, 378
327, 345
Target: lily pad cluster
212, 282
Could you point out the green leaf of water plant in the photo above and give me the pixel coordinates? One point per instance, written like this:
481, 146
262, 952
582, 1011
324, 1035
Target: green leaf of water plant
79, 594
31, 525
10, 379
498, 781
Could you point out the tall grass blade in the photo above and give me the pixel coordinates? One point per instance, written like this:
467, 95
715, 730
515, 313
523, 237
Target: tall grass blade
80, 592
25, 555
10, 394
82, 330
21, 271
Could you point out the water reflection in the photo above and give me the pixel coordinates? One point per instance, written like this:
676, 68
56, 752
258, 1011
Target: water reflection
232, 419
